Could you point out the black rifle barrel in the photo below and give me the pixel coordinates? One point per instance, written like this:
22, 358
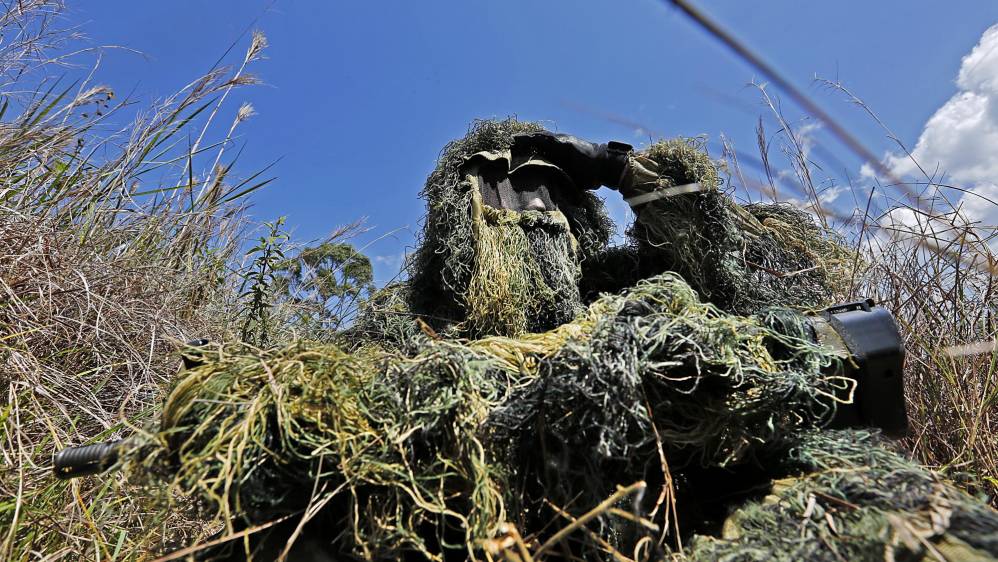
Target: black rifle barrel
94, 459
88, 459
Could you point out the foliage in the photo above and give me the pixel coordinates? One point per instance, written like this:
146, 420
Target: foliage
258, 284
524, 444
324, 284
104, 268
433, 442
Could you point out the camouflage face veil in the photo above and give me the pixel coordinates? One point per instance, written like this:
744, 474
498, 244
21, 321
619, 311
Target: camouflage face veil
503, 238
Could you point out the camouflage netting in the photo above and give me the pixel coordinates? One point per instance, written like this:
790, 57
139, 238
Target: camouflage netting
848, 498
434, 453
420, 442
468, 272
678, 416
742, 259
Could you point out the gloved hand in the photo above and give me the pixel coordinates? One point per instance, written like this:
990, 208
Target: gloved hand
589, 165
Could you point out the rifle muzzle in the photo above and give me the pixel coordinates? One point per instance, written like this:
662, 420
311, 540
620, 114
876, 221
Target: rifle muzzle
88, 459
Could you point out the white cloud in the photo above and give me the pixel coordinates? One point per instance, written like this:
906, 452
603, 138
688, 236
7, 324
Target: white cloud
387, 267
960, 141
389, 260
805, 136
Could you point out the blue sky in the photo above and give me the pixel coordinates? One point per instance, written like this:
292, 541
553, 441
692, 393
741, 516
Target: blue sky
359, 97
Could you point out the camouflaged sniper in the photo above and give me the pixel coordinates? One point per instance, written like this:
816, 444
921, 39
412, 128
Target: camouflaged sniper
526, 370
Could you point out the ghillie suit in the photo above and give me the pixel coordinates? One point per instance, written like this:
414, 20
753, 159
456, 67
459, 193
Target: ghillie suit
848, 498
453, 281
483, 270
489, 409
742, 259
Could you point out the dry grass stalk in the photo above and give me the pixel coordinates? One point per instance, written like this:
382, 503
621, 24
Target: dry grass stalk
935, 269
100, 277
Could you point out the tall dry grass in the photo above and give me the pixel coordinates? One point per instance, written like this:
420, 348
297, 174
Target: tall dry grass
946, 300
113, 248
920, 255
918, 252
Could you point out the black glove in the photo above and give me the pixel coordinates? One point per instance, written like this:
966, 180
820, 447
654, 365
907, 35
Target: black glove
589, 165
